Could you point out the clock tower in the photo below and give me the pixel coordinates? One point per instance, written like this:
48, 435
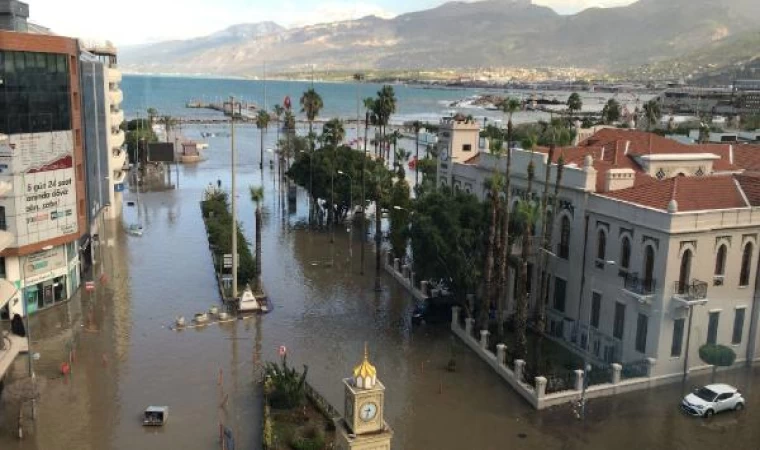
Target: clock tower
362, 426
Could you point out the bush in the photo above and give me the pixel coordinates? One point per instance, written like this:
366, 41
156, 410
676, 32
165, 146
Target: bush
218, 220
312, 439
717, 356
284, 385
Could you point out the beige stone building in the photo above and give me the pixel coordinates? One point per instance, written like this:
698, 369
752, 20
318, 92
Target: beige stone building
648, 231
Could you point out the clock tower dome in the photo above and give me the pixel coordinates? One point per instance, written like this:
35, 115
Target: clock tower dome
363, 426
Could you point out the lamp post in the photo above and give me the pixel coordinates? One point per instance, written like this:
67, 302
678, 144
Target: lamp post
586, 365
350, 200
233, 203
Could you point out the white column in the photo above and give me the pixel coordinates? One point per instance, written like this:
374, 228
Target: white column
484, 339
540, 387
501, 353
616, 370
578, 380
519, 369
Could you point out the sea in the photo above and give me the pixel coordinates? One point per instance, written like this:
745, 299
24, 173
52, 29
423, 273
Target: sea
170, 95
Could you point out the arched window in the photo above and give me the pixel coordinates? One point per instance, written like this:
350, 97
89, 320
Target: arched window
625, 253
601, 245
685, 273
746, 262
648, 280
564, 238
720, 261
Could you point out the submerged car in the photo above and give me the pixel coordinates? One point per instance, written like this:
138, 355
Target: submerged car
712, 399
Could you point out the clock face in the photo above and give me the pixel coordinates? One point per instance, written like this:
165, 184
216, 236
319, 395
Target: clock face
367, 411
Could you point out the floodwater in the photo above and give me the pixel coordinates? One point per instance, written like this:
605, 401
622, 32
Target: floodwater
127, 358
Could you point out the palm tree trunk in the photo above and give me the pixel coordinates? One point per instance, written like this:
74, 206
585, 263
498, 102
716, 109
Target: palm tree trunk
258, 246
364, 201
545, 243
521, 305
485, 305
378, 240
261, 152
417, 158
504, 262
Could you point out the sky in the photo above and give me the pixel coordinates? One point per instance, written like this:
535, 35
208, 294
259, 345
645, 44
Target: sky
143, 21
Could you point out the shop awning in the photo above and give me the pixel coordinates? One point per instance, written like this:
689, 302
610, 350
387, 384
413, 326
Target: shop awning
7, 291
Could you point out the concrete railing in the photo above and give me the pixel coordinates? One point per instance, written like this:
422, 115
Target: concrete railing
537, 396
405, 276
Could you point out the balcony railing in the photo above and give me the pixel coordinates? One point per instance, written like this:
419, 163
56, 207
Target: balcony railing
639, 286
696, 290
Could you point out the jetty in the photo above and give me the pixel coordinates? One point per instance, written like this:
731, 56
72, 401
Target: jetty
242, 110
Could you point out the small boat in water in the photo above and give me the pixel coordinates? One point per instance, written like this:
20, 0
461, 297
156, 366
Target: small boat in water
249, 302
135, 229
200, 318
155, 416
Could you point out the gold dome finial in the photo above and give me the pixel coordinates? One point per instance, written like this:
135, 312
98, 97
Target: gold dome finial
365, 374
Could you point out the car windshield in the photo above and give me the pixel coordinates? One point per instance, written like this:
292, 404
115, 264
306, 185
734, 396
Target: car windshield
705, 394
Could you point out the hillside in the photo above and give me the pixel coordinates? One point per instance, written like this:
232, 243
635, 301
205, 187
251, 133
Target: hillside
463, 34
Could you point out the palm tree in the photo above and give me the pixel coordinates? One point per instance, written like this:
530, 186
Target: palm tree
545, 243
277, 112
152, 113
384, 106
262, 122
510, 106
574, 103
416, 126
393, 139
333, 132
168, 122
527, 213
311, 105
611, 111
493, 184
257, 196
652, 112
381, 183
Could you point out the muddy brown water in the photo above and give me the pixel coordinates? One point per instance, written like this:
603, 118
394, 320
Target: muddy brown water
126, 358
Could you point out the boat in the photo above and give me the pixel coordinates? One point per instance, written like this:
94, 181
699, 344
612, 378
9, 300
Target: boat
135, 229
200, 318
249, 303
155, 416
180, 321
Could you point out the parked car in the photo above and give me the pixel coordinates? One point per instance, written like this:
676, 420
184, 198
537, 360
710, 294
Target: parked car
712, 399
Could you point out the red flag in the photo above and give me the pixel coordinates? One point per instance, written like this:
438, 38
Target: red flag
286, 102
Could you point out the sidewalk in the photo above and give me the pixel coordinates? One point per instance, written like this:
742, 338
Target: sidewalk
13, 346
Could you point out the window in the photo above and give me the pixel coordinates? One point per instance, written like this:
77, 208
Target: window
2, 267
596, 307
676, 346
746, 262
712, 327
720, 261
564, 238
601, 245
641, 333
619, 324
736, 337
625, 253
685, 273
648, 266
466, 147
3, 225
560, 286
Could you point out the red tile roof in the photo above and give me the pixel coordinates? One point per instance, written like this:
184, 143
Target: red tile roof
747, 157
724, 193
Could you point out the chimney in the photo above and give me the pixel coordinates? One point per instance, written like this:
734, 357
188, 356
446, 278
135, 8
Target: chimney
13, 15
617, 179
731, 153
627, 146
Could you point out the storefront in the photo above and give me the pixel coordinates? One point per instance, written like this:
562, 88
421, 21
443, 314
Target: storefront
50, 276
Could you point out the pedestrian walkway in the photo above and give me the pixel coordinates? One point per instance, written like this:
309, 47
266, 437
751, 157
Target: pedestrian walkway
12, 346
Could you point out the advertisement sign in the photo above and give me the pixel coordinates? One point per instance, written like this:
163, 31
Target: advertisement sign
44, 184
46, 264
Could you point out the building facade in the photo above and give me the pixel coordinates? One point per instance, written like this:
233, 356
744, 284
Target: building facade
648, 231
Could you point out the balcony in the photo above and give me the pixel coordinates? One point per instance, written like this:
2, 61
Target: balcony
690, 294
116, 97
641, 289
117, 139
119, 160
117, 117
114, 75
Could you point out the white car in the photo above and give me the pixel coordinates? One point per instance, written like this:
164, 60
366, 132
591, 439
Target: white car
712, 399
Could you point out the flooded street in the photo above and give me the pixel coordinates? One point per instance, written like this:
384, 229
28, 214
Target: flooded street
126, 358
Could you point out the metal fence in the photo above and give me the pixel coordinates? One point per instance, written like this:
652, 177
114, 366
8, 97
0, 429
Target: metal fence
635, 369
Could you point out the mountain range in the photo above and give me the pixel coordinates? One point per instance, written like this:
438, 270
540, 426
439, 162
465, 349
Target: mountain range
489, 33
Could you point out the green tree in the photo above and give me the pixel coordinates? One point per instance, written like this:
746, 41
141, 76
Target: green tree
257, 196
384, 107
152, 114
574, 103
717, 356
527, 216
168, 122
262, 123
311, 105
652, 113
138, 134
399, 214
611, 112
333, 133
416, 127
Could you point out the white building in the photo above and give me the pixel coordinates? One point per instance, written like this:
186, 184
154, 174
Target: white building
647, 230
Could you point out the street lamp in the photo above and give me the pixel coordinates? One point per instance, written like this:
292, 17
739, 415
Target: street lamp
586, 365
350, 203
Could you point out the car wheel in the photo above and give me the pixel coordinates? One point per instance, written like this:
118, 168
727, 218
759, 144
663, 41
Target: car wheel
739, 406
709, 413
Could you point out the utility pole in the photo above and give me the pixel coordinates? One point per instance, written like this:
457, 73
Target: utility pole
232, 195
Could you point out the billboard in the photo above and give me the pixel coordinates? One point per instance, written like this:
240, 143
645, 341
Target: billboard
44, 265
40, 168
161, 152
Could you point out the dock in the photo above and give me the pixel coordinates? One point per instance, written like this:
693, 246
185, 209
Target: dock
243, 110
